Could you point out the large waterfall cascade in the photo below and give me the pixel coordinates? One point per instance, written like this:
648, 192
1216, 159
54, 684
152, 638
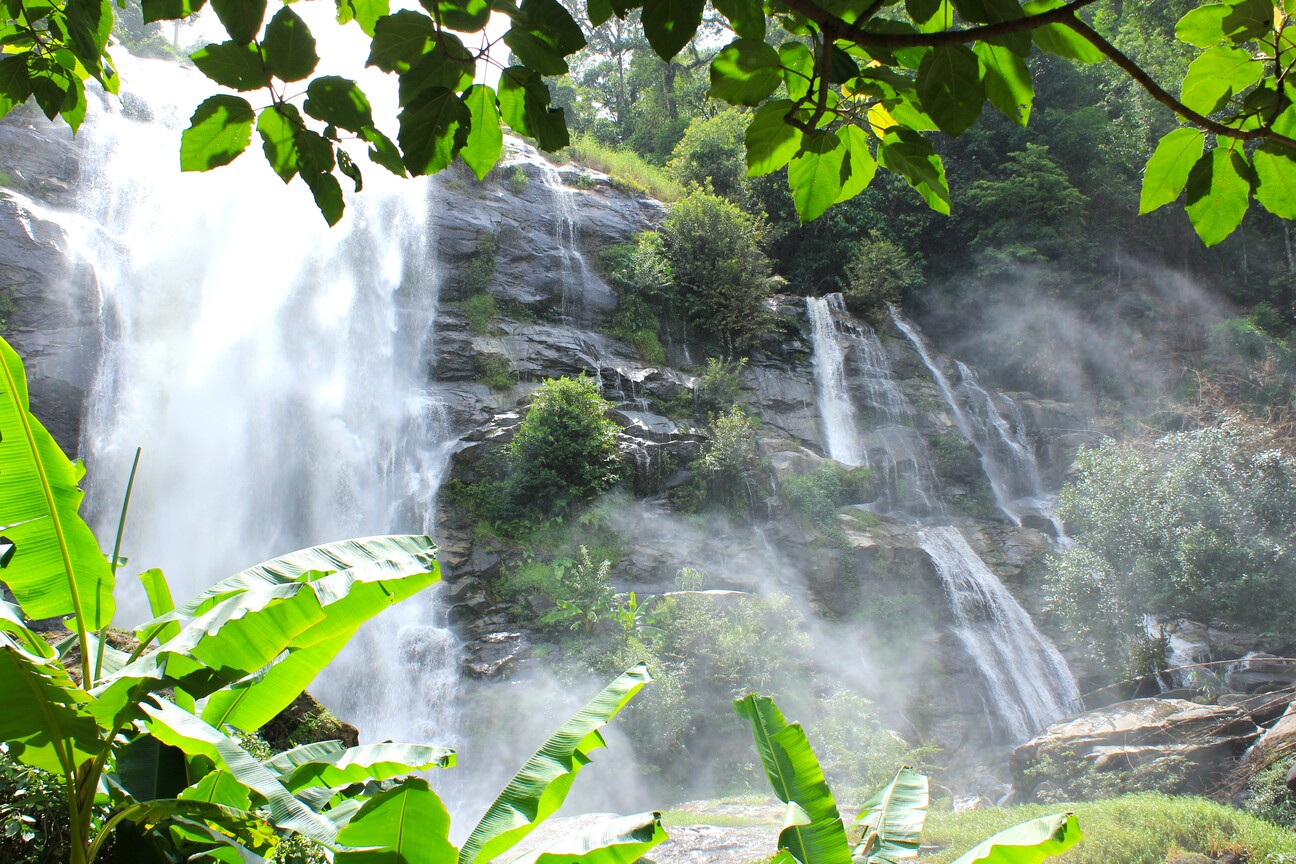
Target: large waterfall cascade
1026, 682
272, 370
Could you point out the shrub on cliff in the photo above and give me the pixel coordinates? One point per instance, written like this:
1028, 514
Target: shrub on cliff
565, 450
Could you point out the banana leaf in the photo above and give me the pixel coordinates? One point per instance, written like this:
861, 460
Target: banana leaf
407, 824
893, 819
57, 566
540, 787
283, 764
1027, 843
203, 820
160, 603
44, 717
240, 637
812, 832
219, 787
178, 728
622, 840
367, 762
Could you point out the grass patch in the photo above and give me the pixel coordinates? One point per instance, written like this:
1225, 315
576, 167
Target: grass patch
626, 168
1131, 829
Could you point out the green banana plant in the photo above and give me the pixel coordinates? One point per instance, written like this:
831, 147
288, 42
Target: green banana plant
149, 736
892, 818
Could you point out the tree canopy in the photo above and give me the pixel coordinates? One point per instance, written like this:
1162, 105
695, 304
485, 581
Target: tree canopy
840, 88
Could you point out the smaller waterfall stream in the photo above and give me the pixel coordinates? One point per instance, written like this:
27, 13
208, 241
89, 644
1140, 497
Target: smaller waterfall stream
1028, 684
882, 436
575, 273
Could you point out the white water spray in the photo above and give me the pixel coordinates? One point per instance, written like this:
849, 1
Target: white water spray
272, 370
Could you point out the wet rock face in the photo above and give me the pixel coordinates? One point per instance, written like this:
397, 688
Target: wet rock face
540, 215
48, 304
1189, 748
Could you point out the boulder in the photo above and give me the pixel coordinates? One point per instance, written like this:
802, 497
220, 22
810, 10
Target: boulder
1195, 746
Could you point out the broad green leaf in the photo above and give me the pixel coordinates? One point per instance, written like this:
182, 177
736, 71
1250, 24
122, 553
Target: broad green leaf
278, 127
1167, 170
622, 840
338, 101
219, 131
949, 85
1027, 843
366, 13
745, 72
169, 10
15, 85
366, 762
448, 64
543, 33
328, 196
179, 728
859, 166
539, 789
746, 17
429, 127
383, 152
988, 11
50, 84
405, 824
798, 68
219, 787
466, 16
289, 47
771, 141
241, 18
1218, 194
1059, 39
1203, 26
232, 65
911, 156
1216, 75
813, 831
73, 109
1248, 19
44, 716
149, 769
524, 106
1275, 167
283, 764
670, 24
893, 819
599, 11
400, 39
1007, 80
485, 139
248, 829
57, 567
815, 174
89, 25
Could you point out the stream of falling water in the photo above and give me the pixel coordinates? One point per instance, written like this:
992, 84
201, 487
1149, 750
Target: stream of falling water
273, 371
1026, 683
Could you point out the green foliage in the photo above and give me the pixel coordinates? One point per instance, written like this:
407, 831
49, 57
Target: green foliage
646, 298
1268, 796
565, 449
479, 311
518, 181
710, 155
728, 461
1195, 524
1072, 778
494, 370
719, 269
480, 270
1131, 829
817, 495
626, 168
879, 273
34, 827
719, 385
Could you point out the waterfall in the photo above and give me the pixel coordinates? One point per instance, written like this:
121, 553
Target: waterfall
1027, 683
567, 240
1007, 455
273, 371
891, 447
836, 410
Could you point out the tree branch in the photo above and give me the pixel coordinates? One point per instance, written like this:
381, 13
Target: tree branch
1114, 54
836, 28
